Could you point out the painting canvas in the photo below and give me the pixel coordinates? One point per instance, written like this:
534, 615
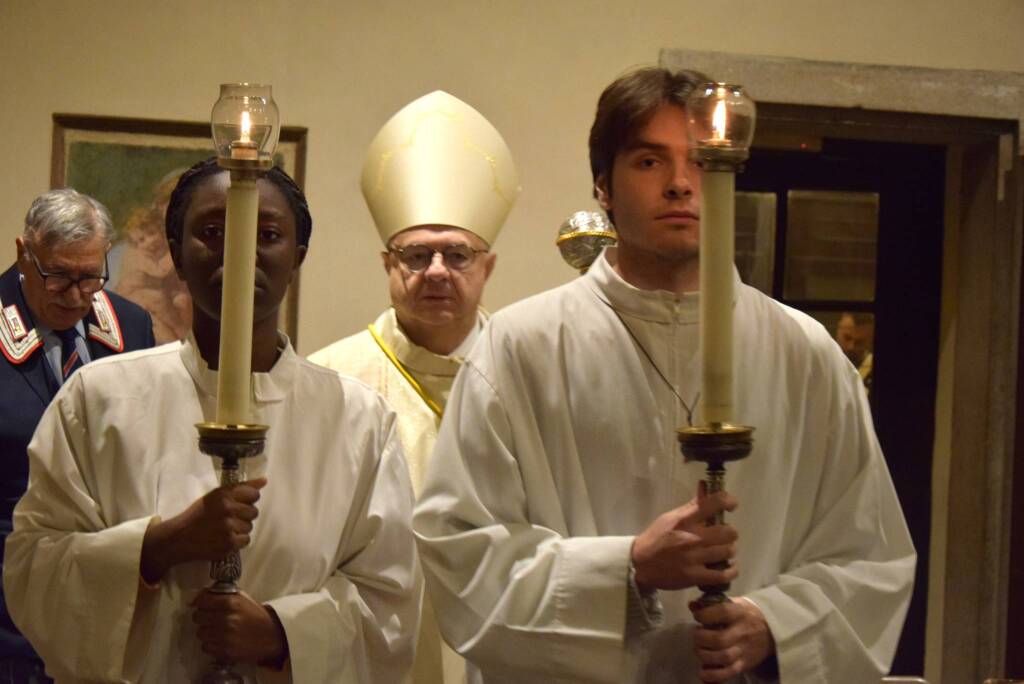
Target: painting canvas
131, 166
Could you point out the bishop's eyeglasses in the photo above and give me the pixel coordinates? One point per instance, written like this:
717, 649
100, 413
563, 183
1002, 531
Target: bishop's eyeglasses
60, 282
456, 257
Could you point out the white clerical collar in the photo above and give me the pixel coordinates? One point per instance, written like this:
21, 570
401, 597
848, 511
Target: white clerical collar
419, 359
652, 305
271, 386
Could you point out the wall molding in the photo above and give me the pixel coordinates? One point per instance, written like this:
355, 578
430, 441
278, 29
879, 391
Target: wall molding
951, 92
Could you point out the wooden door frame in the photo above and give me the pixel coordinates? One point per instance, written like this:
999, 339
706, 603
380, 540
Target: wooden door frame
977, 402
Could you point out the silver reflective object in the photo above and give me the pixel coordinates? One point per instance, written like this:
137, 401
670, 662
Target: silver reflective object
582, 237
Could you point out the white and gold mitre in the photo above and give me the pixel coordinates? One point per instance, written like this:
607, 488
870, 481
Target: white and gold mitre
438, 161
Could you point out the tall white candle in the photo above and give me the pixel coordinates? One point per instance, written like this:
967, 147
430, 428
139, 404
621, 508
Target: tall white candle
235, 364
716, 294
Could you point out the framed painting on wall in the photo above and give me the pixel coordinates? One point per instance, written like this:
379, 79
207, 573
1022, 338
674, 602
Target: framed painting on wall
131, 166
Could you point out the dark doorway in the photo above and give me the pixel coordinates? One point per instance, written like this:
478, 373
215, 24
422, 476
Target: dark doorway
884, 281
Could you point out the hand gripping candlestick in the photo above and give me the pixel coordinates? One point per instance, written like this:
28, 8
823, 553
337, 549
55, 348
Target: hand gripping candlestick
245, 126
720, 126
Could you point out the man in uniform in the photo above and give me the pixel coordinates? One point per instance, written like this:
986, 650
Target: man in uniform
439, 181
56, 316
553, 526
109, 557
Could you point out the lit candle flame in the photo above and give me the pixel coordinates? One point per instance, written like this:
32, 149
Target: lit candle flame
718, 122
246, 126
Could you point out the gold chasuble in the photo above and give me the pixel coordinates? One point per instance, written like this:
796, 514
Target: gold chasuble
362, 357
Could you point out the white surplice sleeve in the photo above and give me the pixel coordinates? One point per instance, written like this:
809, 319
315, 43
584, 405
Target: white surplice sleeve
519, 598
361, 626
837, 609
72, 581
72, 568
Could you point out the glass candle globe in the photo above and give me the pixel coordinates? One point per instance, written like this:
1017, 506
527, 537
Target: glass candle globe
245, 122
720, 116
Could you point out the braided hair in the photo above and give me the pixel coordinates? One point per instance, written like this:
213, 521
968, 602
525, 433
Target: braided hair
174, 222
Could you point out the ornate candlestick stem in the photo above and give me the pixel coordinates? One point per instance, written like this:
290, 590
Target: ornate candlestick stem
715, 446
232, 444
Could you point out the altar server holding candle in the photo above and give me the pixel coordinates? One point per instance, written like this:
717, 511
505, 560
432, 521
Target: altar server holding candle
106, 569
561, 534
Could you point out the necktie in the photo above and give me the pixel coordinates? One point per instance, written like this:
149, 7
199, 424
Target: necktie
69, 359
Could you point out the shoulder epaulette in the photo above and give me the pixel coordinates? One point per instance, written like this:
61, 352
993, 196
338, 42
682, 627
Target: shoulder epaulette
106, 330
17, 341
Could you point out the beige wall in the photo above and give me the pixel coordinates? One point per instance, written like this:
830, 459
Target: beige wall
533, 67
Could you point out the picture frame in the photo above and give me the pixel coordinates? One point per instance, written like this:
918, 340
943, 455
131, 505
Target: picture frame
131, 166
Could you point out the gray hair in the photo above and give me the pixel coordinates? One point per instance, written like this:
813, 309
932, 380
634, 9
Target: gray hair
60, 217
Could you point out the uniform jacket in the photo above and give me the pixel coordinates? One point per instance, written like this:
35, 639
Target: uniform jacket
114, 325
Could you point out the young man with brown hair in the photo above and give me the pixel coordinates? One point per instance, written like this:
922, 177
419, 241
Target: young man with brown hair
561, 533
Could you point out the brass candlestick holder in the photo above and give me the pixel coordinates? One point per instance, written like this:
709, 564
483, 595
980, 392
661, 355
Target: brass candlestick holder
232, 444
715, 445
